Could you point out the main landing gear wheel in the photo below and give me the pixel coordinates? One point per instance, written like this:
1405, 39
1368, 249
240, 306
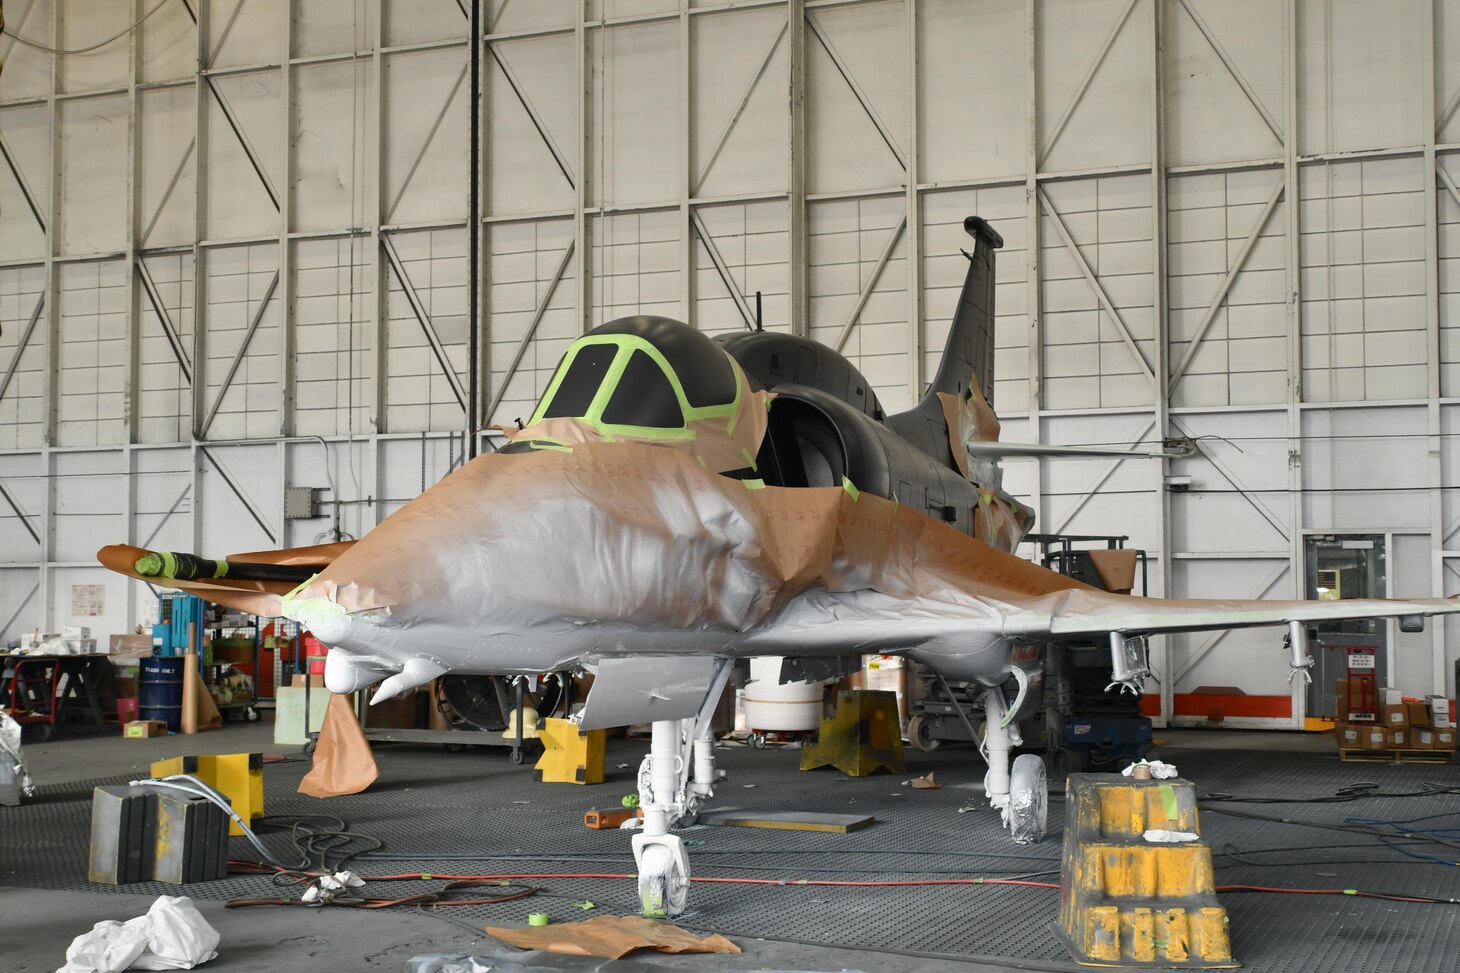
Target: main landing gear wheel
920, 734
1028, 809
663, 885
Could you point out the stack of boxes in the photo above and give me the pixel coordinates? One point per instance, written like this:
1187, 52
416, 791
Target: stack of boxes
78, 640
1399, 724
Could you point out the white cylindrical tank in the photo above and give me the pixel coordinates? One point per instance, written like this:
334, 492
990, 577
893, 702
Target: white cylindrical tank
794, 707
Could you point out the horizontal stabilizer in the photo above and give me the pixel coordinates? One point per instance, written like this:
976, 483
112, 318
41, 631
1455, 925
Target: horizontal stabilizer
997, 451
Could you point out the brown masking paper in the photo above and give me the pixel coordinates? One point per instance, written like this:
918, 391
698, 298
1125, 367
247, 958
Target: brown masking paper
612, 937
343, 762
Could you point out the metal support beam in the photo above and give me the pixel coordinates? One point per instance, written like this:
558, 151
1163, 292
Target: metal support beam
425, 144
182, 165
1233, 70
253, 326
564, 166
1106, 303
538, 312
248, 504
1105, 473
1225, 287
1084, 84
243, 141
917, 367
20, 346
765, 62
20, 514
746, 314
861, 96
424, 319
1242, 489
851, 322
26, 192
796, 215
174, 339
34, 589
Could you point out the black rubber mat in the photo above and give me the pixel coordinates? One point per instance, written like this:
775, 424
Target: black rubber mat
452, 813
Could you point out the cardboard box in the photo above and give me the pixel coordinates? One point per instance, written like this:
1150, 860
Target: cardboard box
1340, 698
299, 680
1348, 736
1445, 739
1394, 716
1421, 738
1439, 708
76, 632
1419, 713
133, 646
143, 729
1389, 696
1399, 739
1374, 738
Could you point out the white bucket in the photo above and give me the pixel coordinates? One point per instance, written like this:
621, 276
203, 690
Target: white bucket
794, 707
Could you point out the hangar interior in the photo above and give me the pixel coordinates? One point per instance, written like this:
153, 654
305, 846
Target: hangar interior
239, 243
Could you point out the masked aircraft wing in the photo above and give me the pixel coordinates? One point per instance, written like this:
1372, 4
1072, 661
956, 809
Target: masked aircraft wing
1086, 614
256, 597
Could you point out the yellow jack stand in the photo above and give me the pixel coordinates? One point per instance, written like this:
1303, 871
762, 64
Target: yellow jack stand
860, 738
239, 776
568, 756
1125, 901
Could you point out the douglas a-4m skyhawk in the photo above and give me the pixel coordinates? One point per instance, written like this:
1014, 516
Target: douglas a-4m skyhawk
678, 502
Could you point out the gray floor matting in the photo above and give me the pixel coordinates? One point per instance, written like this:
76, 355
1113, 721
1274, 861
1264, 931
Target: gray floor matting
450, 813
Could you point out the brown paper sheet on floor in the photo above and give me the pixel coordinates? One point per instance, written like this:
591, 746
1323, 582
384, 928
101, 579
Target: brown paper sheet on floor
343, 763
612, 937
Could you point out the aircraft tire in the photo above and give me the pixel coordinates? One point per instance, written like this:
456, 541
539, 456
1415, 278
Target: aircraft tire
1028, 799
920, 734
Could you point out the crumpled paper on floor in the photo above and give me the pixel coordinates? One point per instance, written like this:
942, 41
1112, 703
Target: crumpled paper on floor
612, 937
924, 783
1159, 769
173, 935
343, 762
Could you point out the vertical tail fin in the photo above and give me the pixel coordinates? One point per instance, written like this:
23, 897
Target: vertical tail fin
969, 351
970, 348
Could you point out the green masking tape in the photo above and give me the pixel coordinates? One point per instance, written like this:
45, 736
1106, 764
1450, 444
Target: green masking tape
537, 919
1168, 799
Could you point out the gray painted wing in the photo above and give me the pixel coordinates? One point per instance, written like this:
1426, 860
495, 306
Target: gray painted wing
1098, 613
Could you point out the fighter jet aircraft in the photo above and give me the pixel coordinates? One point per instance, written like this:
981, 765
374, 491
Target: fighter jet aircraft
675, 503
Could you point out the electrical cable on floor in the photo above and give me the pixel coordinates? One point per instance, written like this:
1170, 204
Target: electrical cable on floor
1421, 838
1349, 792
436, 898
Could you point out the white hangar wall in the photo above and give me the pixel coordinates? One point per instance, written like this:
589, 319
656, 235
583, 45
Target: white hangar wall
233, 257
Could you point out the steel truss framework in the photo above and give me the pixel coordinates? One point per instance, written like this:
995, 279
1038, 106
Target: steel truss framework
802, 35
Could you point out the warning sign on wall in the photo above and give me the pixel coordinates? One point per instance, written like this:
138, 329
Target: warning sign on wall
88, 599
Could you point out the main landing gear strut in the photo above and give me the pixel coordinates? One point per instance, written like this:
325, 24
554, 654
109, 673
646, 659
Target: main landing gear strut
670, 795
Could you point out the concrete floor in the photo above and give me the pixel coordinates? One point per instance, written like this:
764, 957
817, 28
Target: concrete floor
40, 924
